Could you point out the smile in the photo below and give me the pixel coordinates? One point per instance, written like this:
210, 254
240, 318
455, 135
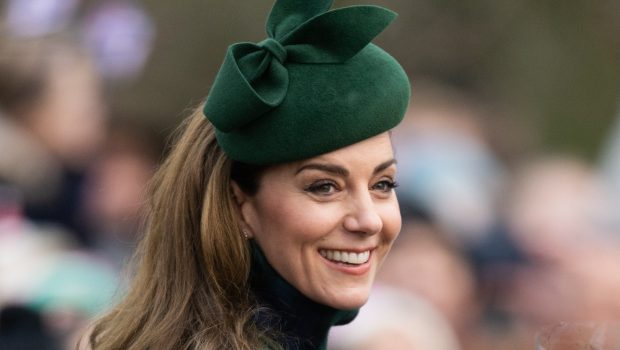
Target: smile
345, 257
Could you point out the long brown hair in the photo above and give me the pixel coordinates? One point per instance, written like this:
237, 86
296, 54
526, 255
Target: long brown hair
190, 289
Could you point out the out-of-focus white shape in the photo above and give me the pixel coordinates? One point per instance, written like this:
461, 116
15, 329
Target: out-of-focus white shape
38, 17
25, 252
120, 36
395, 320
39, 268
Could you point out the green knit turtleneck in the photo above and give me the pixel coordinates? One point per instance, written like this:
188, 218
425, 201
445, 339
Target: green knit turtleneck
302, 323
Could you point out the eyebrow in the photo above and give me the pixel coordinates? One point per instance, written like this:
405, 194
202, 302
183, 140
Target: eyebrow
329, 168
338, 170
383, 166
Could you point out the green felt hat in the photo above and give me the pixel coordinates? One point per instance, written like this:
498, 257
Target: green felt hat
316, 84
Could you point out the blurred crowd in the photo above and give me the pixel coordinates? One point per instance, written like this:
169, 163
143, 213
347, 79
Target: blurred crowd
497, 242
71, 174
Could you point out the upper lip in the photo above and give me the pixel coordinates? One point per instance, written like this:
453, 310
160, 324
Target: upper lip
354, 250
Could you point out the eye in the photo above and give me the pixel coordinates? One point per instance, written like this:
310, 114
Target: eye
385, 185
322, 187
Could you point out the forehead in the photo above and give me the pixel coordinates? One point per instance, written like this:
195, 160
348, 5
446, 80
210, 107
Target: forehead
366, 154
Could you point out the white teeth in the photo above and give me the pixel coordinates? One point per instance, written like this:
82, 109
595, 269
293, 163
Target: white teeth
346, 257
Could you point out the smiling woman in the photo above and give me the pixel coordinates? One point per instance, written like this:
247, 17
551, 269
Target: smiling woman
271, 216
326, 223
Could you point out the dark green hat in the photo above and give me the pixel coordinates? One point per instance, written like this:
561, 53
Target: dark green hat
316, 84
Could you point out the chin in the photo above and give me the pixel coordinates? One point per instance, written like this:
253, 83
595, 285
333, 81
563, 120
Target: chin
349, 301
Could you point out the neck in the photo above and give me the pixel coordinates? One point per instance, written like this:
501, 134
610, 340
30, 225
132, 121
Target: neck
299, 322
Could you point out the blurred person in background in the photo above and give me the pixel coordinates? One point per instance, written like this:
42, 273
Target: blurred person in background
115, 189
51, 127
449, 172
557, 215
452, 196
562, 261
425, 264
539, 243
53, 123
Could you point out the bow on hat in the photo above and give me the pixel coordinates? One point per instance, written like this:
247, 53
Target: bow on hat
254, 79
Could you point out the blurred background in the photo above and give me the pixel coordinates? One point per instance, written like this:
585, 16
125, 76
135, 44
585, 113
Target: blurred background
509, 161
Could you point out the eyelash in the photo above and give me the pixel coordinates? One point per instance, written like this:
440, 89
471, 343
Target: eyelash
317, 187
390, 185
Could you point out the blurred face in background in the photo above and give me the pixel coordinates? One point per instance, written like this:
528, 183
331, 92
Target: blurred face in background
69, 116
555, 207
325, 224
428, 266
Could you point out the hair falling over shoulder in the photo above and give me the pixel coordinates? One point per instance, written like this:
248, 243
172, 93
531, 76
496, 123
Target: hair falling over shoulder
189, 289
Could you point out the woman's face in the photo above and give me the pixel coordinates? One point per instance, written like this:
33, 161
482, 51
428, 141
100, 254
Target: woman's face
325, 224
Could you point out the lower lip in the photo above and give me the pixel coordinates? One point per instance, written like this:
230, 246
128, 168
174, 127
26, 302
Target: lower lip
356, 270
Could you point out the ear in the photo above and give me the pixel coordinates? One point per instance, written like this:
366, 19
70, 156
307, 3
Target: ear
245, 209
238, 194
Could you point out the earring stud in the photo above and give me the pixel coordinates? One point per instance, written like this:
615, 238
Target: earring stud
245, 234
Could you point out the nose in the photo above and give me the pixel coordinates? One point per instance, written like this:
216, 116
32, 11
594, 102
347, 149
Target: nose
363, 216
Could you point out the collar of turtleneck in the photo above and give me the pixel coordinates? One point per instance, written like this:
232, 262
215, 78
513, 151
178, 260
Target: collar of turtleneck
301, 323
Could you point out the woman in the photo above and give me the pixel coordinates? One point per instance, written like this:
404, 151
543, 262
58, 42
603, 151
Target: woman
269, 219
52, 124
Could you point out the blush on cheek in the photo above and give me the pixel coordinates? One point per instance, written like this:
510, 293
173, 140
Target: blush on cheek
300, 217
392, 221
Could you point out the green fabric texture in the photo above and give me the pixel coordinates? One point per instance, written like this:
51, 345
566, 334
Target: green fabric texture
302, 323
314, 85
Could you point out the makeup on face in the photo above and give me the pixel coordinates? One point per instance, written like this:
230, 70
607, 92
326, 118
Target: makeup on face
326, 224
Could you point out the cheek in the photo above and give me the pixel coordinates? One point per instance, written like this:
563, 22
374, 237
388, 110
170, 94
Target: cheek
294, 219
392, 222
